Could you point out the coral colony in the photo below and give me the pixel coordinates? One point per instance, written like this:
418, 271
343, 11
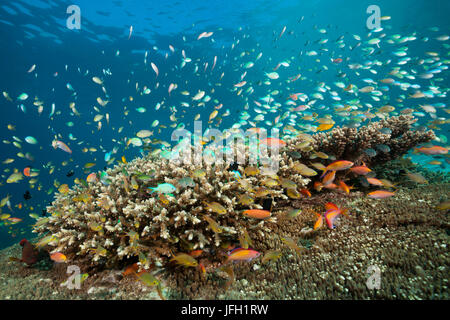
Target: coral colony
159, 213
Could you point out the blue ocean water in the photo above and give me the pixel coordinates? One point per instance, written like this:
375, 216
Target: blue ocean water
35, 33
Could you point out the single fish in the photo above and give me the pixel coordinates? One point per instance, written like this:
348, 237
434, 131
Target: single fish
380, 194
240, 254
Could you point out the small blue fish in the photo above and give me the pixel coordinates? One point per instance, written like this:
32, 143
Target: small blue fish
237, 174
383, 148
104, 178
186, 182
164, 188
370, 152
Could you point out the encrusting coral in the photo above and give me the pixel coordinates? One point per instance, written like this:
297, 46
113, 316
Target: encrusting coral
115, 218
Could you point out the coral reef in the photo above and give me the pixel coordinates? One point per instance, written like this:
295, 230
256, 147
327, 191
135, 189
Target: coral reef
404, 236
105, 223
395, 171
351, 143
154, 207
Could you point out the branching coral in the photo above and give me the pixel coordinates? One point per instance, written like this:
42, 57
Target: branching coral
114, 219
121, 219
351, 143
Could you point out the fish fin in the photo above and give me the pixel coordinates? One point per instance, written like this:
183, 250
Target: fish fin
330, 205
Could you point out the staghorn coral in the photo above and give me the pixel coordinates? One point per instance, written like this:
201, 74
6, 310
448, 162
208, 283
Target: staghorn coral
106, 224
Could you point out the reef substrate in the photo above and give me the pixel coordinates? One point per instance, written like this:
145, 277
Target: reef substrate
404, 236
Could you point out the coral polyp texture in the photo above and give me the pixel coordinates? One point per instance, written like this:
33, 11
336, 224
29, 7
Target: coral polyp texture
153, 208
351, 143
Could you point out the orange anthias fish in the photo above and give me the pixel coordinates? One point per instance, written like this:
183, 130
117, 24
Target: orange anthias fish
361, 170
330, 186
333, 211
375, 181
319, 221
58, 257
131, 269
305, 192
318, 186
344, 187
380, 194
337, 166
329, 178
256, 213
432, 150
240, 254
91, 177
202, 268
196, 253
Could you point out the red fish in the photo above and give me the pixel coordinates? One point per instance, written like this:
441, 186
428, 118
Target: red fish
29, 253
337, 60
26, 171
305, 192
131, 269
196, 253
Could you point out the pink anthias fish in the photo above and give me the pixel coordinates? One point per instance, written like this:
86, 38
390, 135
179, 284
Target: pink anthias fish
240, 254
61, 145
333, 211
